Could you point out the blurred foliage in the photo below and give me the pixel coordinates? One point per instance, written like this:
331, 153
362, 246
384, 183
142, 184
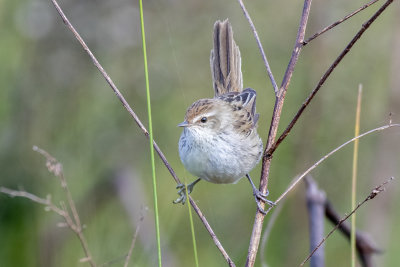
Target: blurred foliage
53, 97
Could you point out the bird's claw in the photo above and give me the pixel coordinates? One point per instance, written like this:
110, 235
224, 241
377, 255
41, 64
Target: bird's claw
259, 196
182, 193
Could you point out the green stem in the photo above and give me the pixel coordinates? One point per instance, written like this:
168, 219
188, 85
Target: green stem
354, 180
196, 259
153, 168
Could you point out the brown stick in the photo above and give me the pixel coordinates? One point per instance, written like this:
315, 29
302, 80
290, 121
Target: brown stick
364, 27
380, 188
46, 202
128, 256
113, 87
300, 177
264, 57
138, 122
364, 244
339, 21
73, 222
259, 218
271, 146
60, 211
55, 167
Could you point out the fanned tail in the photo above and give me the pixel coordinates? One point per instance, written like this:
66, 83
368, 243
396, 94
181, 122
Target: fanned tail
225, 60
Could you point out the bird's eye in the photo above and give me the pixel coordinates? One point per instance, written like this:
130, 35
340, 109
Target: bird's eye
204, 120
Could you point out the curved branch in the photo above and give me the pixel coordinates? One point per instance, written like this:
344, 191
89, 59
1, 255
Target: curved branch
339, 21
264, 57
330, 154
380, 188
137, 120
364, 27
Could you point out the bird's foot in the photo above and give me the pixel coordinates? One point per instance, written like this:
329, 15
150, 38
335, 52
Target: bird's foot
182, 192
259, 196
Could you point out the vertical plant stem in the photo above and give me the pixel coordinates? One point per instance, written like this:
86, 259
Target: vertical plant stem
316, 200
266, 162
153, 168
354, 179
196, 259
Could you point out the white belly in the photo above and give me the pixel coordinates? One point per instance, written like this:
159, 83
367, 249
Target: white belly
219, 159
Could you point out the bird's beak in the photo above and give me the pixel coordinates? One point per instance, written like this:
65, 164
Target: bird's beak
183, 124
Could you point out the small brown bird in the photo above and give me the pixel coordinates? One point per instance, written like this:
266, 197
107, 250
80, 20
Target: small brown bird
219, 142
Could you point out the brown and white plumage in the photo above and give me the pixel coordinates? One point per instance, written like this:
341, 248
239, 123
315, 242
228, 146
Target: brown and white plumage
219, 142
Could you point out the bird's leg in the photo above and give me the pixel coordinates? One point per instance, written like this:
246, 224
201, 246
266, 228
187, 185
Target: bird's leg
258, 195
182, 191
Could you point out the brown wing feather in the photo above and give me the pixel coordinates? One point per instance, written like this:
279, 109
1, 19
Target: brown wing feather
244, 104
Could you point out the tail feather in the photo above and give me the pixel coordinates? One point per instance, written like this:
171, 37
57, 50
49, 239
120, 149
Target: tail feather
225, 60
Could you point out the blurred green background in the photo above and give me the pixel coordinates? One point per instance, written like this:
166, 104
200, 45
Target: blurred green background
52, 96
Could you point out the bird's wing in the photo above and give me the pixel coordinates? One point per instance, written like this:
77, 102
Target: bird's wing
245, 104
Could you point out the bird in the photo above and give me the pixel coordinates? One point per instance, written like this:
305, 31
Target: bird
219, 142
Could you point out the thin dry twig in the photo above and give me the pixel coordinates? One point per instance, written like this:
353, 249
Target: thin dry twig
339, 21
266, 163
364, 243
299, 178
364, 27
113, 87
55, 167
139, 123
128, 256
49, 206
43, 201
380, 188
260, 47
271, 144
73, 222
297, 48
